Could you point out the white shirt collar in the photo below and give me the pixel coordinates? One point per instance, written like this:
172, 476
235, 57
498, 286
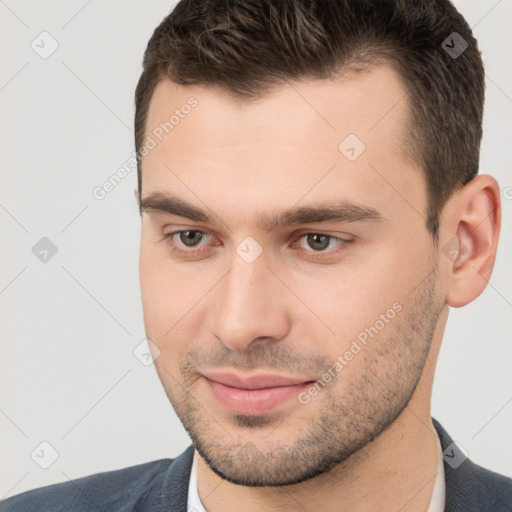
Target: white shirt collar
194, 502
436, 502
439, 494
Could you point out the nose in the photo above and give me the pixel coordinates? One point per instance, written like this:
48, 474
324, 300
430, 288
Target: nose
251, 306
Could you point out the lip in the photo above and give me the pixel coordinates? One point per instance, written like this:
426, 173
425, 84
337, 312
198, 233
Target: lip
253, 394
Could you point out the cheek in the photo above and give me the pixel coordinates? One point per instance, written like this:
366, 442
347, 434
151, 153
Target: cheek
349, 296
171, 296
163, 308
148, 276
343, 302
158, 292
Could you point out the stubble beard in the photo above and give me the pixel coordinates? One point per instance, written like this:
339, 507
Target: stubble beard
340, 424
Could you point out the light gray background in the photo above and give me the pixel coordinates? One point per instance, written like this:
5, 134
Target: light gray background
69, 376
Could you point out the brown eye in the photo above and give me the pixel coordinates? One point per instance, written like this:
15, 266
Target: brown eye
190, 238
318, 242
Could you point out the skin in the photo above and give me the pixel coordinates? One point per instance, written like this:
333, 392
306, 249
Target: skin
365, 441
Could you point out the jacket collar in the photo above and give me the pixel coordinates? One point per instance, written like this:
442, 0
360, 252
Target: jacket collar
468, 487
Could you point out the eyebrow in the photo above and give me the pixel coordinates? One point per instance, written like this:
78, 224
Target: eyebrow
332, 211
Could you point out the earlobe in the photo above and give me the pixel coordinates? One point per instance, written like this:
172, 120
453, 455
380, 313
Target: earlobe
471, 249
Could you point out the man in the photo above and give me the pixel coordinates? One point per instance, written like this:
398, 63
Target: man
311, 208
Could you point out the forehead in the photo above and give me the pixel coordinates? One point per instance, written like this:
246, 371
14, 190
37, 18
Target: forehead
322, 139
359, 101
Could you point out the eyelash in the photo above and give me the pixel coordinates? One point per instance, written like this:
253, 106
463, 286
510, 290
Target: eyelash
194, 251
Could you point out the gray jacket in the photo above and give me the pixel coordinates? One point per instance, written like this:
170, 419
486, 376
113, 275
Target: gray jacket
162, 485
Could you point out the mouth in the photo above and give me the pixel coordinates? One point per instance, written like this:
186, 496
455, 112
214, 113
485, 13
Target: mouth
253, 394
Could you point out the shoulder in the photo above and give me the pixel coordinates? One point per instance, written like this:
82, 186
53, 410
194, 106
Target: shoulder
116, 490
488, 488
470, 487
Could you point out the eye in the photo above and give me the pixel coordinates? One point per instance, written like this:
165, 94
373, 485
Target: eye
190, 238
187, 238
319, 242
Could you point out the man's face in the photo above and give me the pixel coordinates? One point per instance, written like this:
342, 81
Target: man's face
293, 257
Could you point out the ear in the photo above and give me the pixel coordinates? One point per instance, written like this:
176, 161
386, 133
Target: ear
471, 239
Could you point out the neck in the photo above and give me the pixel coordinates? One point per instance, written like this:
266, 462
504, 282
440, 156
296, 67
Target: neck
397, 471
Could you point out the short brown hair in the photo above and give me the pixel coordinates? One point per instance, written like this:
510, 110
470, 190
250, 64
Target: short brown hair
248, 47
